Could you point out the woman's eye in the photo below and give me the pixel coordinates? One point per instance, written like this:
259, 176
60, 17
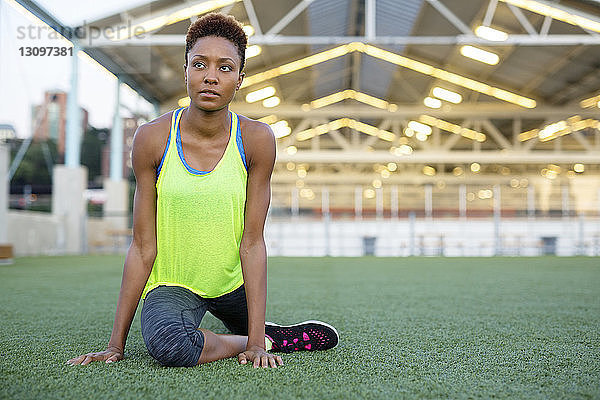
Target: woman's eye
226, 68
198, 65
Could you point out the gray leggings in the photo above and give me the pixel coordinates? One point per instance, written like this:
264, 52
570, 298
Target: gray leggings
171, 316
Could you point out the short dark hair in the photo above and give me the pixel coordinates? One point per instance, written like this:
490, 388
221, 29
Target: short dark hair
220, 25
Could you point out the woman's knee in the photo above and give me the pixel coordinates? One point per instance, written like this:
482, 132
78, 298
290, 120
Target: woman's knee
172, 346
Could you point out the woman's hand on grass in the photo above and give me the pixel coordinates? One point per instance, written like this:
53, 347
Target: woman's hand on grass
259, 358
111, 354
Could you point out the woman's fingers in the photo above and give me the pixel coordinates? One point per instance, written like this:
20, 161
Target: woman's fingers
85, 359
242, 358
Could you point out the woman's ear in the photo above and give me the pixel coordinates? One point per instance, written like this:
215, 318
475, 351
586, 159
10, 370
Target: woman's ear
185, 73
240, 79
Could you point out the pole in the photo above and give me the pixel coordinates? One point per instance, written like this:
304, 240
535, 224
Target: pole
73, 139
358, 203
326, 217
116, 139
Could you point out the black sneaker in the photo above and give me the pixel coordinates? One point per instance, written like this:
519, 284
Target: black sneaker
307, 335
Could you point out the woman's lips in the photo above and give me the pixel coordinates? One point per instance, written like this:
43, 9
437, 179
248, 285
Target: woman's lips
209, 94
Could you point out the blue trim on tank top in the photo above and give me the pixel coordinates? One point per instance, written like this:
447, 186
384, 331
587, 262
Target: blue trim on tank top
240, 144
238, 139
162, 160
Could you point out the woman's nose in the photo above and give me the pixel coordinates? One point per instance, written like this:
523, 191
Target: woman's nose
210, 77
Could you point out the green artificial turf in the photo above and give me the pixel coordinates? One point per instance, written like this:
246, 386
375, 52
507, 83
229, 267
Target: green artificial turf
410, 328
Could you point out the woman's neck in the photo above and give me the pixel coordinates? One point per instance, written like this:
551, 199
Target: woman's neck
205, 123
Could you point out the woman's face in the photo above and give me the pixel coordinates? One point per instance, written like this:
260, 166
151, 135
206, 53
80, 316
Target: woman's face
212, 74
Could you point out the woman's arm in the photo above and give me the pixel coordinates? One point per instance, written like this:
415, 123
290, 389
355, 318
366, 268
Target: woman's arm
260, 151
142, 252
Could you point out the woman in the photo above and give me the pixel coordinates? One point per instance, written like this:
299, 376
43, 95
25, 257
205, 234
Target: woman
202, 194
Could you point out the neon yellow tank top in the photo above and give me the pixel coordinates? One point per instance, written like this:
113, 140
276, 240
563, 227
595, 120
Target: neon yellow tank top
200, 218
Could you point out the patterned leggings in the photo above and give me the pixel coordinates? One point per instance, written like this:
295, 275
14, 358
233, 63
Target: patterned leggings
171, 316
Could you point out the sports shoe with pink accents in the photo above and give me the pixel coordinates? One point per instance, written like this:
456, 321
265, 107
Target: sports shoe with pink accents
305, 336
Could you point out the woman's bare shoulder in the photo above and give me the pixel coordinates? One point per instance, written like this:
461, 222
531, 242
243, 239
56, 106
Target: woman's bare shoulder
150, 138
258, 140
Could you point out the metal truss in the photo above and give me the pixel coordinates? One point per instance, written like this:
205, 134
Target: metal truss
347, 145
275, 40
273, 37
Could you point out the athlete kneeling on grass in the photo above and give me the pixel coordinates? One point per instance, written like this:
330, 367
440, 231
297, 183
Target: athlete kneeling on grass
203, 189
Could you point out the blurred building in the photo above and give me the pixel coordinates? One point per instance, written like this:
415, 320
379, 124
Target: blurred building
7, 132
129, 125
49, 119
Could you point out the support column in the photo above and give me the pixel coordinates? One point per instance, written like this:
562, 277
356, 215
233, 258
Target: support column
565, 201
379, 203
462, 202
428, 202
543, 187
358, 193
497, 216
69, 206
295, 207
4, 158
326, 218
394, 202
116, 208
530, 202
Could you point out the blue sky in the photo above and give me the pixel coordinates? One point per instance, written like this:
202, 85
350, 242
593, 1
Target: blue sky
23, 80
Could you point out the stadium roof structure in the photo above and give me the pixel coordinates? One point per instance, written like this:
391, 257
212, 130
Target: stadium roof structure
411, 81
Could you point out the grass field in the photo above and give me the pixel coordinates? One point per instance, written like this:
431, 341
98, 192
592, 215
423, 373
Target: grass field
410, 328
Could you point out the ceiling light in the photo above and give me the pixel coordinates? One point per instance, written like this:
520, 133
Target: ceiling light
449, 77
169, 17
260, 94
253, 51
475, 167
579, 167
394, 59
491, 34
557, 12
477, 54
369, 193
421, 136
281, 129
298, 64
560, 128
271, 102
291, 150
432, 103
345, 123
269, 119
591, 102
428, 170
450, 127
248, 30
419, 127
447, 95
352, 94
